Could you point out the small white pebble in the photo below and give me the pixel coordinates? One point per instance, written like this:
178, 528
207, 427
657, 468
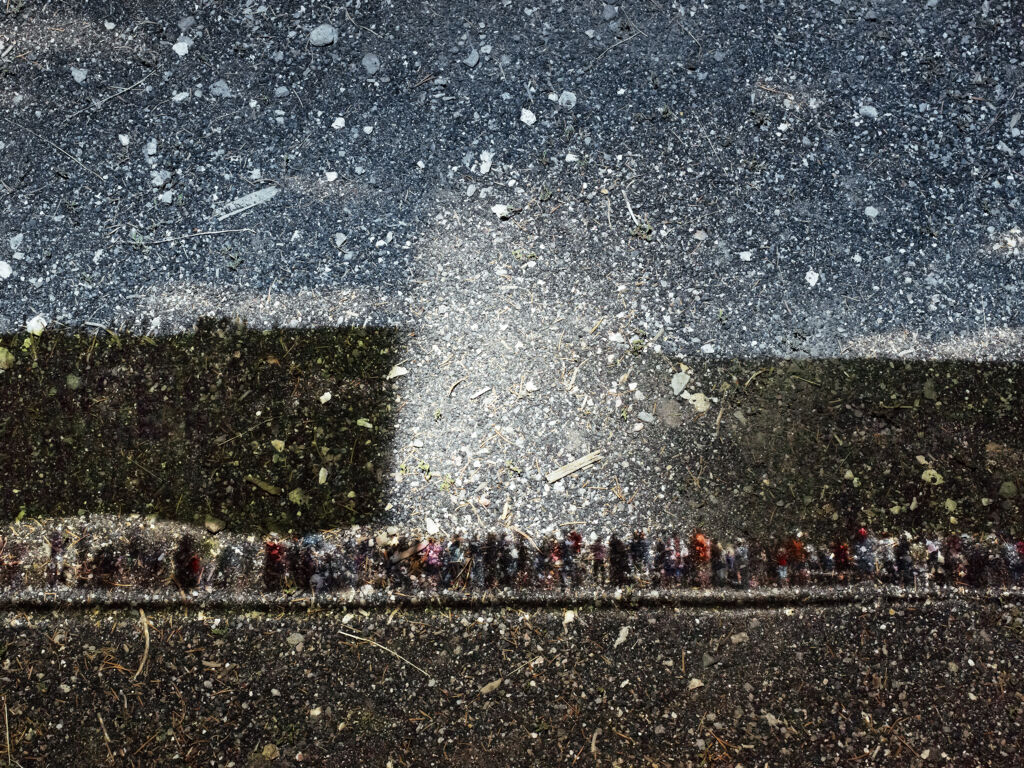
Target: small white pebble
527, 117
325, 397
812, 277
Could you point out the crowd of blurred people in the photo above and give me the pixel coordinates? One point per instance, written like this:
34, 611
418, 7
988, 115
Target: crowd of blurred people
495, 561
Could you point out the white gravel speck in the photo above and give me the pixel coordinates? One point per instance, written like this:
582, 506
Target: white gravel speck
79, 74
527, 116
36, 325
5, 270
181, 47
871, 212
486, 157
472, 59
812, 277
371, 63
567, 100
221, 89
866, 110
338, 124
323, 35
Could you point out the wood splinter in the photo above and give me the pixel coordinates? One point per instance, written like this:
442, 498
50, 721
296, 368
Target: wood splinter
573, 466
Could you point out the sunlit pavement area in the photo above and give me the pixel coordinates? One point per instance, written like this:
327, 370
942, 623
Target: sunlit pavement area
763, 264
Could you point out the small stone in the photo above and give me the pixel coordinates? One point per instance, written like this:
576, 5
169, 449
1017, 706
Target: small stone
432, 526
15, 241
281, 90
1008, 490
486, 158
5, 270
707, 660
271, 752
79, 74
6, 358
739, 638
866, 110
186, 23
746, 255
338, 124
501, 211
181, 47
871, 212
527, 117
214, 524
609, 12
295, 639
623, 634
36, 325
321, 477
472, 59
325, 398
371, 63
812, 277
221, 89
567, 100
323, 35
694, 684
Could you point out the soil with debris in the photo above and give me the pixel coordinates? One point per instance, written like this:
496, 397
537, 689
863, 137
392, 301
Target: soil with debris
888, 683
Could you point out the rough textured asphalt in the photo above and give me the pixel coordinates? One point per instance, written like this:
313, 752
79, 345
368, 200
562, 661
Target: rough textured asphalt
688, 172
879, 684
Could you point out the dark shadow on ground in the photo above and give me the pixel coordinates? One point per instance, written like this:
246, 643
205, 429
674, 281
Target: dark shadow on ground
829, 445
225, 423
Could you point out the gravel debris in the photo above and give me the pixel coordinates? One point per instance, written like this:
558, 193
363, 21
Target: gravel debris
325, 34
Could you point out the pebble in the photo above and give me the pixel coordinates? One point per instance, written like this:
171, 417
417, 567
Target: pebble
871, 212
181, 47
866, 110
79, 74
323, 35
609, 12
486, 157
812, 277
295, 639
36, 325
221, 89
567, 100
15, 241
527, 116
371, 63
5, 270
472, 59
